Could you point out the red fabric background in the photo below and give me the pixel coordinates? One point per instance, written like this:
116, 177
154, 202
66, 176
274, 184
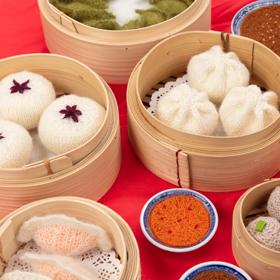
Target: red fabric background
21, 32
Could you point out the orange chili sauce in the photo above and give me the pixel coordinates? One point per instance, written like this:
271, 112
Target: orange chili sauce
179, 221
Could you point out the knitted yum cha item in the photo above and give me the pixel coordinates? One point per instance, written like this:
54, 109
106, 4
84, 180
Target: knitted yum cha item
20, 275
216, 72
273, 204
63, 235
25, 95
69, 122
247, 110
58, 267
188, 110
15, 145
266, 230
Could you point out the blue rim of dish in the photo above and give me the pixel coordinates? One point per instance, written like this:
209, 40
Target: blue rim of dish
244, 11
216, 266
145, 214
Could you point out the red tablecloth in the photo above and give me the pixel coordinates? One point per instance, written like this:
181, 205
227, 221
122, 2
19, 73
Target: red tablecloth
21, 32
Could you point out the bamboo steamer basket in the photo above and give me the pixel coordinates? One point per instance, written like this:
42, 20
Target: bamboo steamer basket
260, 262
71, 206
205, 163
123, 237
87, 171
113, 54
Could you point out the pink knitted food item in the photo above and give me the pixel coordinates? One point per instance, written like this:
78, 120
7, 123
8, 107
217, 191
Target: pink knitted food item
63, 235
273, 204
269, 234
58, 267
22, 275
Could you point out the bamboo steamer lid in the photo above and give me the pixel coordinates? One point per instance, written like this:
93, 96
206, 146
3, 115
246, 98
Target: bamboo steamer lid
80, 172
113, 54
252, 256
205, 163
124, 240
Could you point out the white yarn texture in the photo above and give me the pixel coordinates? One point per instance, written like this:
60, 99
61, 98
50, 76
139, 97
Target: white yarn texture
58, 267
188, 110
21, 275
273, 204
63, 235
16, 146
216, 72
61, 135
26, 108
270, 236
247, 110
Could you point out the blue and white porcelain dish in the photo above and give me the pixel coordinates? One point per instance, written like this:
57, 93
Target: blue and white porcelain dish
243, 12
148, 207
231, 269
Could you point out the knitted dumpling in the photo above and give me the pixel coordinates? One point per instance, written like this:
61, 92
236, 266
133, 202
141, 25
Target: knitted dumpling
58, 267
69, 122
216, 72
247, 110
266, 230
25, 95
15, 145
20, 275
188, 110
273, 204
62, 235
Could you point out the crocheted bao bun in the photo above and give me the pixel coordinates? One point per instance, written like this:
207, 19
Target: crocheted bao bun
62, 235
25, 95
273, 204
69, 122
20, 275
15, 145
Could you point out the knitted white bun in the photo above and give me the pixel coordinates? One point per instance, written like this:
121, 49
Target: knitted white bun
25, 95
216, 72
188, 110
270, 236
21, 275
58, 267
62, 134
247, 110
63, 235
273, 204
15, 145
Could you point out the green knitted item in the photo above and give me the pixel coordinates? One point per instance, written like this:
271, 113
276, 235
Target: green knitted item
94, 13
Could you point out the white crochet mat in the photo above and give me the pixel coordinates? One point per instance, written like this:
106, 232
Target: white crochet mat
158, 94
106, 265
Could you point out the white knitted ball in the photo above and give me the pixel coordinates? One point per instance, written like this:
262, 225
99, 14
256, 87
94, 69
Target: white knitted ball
216, 72
25, 95
69, 122
273, 204
270, 236
15, 145
247, 110
188, 110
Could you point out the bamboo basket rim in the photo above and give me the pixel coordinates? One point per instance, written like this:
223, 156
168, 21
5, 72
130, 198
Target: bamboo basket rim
96, 76
40, 181
137, 72
113, 215
242, 225
80, 36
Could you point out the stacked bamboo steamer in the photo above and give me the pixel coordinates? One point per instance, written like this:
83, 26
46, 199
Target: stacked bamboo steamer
259, 261
123, 239
88, 171
205, 163
113, 54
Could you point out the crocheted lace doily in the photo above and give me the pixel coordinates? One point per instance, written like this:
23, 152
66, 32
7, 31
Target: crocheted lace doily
106, 265
158, 94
